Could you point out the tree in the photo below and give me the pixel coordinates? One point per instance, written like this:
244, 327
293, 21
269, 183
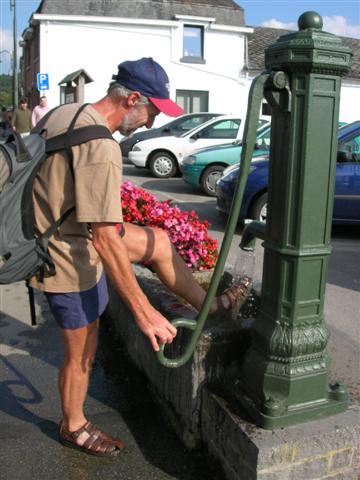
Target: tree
5, 90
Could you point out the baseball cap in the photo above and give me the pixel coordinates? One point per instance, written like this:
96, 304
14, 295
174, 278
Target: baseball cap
148, 78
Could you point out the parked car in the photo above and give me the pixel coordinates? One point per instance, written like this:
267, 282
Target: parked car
164, 155
174, 128
347, 183
204, 167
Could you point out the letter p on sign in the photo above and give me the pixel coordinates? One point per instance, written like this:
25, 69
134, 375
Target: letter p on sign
43, 81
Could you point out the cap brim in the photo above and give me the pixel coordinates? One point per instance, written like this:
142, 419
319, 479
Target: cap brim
167, 106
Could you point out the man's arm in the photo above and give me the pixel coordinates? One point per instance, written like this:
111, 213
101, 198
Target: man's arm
33, 118
13, 120
115, 259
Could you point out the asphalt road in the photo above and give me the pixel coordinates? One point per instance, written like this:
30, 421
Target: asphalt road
342, 300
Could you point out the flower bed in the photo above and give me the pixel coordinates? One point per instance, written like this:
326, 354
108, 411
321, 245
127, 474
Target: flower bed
187, 233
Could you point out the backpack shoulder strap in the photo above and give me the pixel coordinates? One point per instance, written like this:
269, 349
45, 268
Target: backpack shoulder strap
66, 141
79, 135
69, 134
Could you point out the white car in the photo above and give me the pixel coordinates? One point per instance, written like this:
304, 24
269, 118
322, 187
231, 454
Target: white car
164, 155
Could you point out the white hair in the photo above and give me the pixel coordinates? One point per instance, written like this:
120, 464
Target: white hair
117, 90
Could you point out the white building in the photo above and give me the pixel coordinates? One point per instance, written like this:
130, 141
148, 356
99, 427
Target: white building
205, 46
200, 44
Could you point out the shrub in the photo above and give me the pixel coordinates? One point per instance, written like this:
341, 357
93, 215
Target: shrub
187, 233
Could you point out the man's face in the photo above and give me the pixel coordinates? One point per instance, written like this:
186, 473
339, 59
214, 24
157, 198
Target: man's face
139, 116
23, 106
43, 102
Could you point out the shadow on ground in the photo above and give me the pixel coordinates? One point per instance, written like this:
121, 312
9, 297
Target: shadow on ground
117, 386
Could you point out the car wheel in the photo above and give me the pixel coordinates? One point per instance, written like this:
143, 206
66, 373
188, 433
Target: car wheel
209, 178
163, 165
259, 208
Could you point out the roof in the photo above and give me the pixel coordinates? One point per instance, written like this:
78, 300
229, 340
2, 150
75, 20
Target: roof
72, 77
262, 37
226, 12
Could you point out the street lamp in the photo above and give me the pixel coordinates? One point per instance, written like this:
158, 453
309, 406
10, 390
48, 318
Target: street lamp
15, 77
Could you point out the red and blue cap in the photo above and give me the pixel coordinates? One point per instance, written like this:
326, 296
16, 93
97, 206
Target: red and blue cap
148, 78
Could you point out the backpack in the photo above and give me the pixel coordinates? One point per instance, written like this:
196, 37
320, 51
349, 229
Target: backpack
24, 254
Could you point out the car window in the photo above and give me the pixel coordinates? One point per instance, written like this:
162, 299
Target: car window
191, 123
352, 149
221, 129
262, 122
263, 141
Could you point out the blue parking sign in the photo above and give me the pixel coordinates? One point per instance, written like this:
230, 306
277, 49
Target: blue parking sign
43, 81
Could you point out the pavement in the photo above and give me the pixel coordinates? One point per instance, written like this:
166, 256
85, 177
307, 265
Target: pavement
118, 398
118, 401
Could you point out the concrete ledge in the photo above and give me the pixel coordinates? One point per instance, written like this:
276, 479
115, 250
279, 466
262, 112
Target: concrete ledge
325, 449
322, 449
178, 390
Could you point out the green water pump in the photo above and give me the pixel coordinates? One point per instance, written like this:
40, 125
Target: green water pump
283, 377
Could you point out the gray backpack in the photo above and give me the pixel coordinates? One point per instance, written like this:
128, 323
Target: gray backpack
24, 254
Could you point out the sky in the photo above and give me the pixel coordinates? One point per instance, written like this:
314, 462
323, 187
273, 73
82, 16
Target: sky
341, 17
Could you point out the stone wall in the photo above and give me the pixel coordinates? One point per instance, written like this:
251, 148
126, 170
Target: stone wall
201, 413
178, 390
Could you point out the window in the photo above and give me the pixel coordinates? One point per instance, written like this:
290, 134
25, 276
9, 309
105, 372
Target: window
193, 101
192, 122
265, 109
263, 140
349, 151
193, 44
67, 94
226, 129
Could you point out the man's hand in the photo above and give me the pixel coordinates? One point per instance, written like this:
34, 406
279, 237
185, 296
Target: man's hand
157, 328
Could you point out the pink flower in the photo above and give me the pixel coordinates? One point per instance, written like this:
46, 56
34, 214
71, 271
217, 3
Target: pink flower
188, 235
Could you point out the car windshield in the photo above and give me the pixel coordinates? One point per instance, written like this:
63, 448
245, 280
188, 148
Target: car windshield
192, 121
189, 132
208, 122
183, 122
263, 129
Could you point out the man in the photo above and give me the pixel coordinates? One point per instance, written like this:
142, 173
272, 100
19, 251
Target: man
88, 241
39, 111
21, 119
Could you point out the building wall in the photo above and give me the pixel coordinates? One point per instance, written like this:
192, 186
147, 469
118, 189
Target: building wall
99, 44
31, 65
98, 47
349, 101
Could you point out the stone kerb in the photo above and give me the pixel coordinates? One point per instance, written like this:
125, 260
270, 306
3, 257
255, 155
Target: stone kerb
322, 449
178, 390
200, 412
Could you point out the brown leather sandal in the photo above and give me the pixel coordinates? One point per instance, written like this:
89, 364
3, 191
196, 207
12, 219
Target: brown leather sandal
232, 297
98, 443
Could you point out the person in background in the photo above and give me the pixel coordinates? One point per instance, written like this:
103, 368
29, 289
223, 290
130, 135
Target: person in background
3, 122
3, 110
39, 111
21, 119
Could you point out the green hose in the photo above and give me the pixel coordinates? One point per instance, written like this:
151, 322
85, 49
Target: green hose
249, 139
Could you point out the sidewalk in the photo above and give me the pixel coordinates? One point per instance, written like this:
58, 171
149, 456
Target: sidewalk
118, 401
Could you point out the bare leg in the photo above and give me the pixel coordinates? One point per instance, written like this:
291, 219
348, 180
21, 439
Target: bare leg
154, 246
79, 351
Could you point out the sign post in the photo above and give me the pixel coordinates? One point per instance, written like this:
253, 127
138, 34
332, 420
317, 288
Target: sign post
42, 82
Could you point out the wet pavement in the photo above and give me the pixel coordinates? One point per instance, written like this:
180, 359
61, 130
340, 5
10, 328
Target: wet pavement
118, 401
